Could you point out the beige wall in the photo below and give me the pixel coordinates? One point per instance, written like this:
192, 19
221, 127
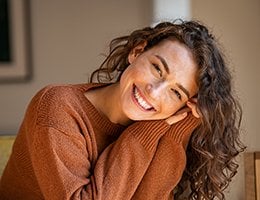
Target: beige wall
69, 36
237, 25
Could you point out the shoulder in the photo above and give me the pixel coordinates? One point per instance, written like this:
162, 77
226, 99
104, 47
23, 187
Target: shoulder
58, 105
56, 96
53, 94
63, 107
61, 92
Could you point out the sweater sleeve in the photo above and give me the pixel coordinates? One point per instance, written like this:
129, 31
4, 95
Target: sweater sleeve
63, 170
168, 163
62, 163
123, 164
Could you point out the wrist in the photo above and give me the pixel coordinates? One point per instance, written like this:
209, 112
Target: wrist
184, 128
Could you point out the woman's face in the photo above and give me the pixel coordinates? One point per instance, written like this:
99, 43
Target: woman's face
158, 82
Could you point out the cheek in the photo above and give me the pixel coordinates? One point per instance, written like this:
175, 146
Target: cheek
135, 73
126, 77
170, 107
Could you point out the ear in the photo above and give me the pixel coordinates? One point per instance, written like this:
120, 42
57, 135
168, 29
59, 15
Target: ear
136, 51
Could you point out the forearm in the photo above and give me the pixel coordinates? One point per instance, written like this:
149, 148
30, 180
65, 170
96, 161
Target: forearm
168, 163
116, 174
122, 165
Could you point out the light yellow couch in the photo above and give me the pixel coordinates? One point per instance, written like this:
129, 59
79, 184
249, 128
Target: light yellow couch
6, 143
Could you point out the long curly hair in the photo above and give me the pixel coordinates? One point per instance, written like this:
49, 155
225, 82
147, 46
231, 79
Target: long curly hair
215, 143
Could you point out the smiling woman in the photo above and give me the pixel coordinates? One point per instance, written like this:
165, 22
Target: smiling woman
164, 101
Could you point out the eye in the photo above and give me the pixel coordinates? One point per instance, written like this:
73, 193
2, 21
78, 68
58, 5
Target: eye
157, 68
177, 94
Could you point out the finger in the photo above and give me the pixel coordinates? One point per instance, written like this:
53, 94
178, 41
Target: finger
183, 110
194, 109
176, 118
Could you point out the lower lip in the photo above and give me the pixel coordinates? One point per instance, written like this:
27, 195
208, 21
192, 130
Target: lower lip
136, 102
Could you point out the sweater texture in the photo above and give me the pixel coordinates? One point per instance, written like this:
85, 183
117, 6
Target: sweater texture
66, 149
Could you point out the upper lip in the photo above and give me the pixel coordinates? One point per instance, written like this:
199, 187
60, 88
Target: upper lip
142, 95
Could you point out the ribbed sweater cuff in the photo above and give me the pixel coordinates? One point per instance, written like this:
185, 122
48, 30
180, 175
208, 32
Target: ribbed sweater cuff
183, 128
148, 133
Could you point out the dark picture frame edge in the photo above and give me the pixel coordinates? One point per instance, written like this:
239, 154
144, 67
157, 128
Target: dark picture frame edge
19, 72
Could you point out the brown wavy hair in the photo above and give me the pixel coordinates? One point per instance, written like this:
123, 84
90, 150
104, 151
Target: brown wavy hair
215, 143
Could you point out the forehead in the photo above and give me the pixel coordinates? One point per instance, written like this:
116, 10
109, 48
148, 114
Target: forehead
174, 48
180, 60
176, 54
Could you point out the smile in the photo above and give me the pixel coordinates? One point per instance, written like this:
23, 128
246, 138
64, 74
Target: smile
140, 100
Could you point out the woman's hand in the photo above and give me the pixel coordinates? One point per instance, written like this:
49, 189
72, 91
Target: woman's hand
191, 106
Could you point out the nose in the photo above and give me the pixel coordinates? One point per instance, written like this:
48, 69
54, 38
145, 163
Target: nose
156, 90
149, 88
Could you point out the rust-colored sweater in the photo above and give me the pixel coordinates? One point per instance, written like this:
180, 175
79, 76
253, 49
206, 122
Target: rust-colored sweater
66, 149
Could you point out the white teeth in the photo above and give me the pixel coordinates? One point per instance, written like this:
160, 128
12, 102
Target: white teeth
140, 100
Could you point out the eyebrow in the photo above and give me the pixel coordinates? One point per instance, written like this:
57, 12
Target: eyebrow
166, 68
185, 91
163, 61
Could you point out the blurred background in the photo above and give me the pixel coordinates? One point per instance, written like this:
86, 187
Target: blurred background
67, 40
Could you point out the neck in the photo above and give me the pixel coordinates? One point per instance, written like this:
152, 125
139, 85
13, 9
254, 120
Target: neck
107, 101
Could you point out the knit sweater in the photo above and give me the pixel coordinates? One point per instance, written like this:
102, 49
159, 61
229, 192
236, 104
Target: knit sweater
66, 149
